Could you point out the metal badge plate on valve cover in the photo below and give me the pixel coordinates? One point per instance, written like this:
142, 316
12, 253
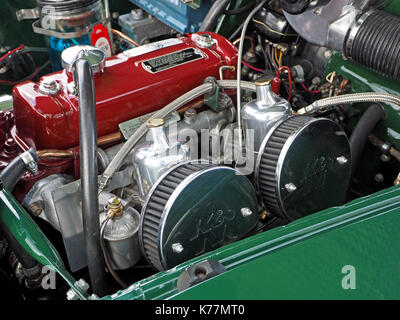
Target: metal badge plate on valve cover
303, 167
194, 208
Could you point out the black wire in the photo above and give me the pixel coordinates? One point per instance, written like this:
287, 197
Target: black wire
30, 77
270, 58
233, 35
267, 224
266, 60
106, 257
240, 10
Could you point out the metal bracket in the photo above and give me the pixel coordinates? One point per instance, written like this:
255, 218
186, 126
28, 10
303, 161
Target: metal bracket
212, 99
37, 28
27, 14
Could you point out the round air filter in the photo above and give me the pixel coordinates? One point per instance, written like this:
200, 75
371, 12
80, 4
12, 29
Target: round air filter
194, 208
303, 166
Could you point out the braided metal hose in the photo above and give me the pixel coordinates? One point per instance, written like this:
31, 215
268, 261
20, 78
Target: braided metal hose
368, 97
173, 106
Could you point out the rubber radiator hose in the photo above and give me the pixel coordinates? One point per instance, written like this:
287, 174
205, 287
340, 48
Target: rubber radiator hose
15, 170
216, 10
359, 137
9, 177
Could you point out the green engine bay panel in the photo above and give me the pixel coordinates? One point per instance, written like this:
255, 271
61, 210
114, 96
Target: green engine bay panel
307, 259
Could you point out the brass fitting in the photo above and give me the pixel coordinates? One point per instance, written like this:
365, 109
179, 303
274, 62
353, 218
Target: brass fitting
397, 181
114, 207
264, 214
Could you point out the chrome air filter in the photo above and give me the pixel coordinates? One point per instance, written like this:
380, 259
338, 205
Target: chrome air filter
194, 208
303, 166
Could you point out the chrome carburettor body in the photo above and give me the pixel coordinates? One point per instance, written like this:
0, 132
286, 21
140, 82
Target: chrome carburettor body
260, 115
155, 156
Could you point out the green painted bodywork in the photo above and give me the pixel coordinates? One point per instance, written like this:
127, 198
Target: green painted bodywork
32, 239
303, 259
364, 80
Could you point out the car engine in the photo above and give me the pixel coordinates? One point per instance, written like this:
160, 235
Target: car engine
161, 134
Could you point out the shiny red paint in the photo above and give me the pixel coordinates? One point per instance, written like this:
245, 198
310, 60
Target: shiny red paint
124, 90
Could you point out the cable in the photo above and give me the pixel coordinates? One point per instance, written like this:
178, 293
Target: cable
274, 31
363, 97
251, 67
308, 90
11, 52
247, 38
271, 61
125, 37
213, 15
239, 73
233, 35
245, 8
30, 77
290, 79
106, 257
266, 61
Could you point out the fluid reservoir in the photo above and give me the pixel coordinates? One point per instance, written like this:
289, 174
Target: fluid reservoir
121, 234
134, 83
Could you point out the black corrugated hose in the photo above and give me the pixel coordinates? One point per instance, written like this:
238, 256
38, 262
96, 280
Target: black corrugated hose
376, 44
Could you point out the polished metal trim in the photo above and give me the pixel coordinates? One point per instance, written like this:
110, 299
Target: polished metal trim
354, 31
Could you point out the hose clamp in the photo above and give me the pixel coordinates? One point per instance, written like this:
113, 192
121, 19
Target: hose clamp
354, 31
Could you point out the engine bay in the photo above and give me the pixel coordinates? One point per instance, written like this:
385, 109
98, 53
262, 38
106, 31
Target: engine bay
154, 136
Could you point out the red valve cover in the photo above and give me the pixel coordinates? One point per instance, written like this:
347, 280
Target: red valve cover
134, 83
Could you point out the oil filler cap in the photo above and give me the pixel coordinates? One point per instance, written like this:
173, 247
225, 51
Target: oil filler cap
95, 56
194, 208
303, 166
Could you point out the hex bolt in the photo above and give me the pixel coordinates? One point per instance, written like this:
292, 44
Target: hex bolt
177, 247
71, 295
36, 209
137, 14
385, 158
72, 89
342, 160
189, 115
379, 177
81, 284
318, 11
246, 212
328, 54
290, 187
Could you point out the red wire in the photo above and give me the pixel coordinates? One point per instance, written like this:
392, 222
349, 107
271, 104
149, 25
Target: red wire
11, 52
290, 79
308, 90
251, 67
